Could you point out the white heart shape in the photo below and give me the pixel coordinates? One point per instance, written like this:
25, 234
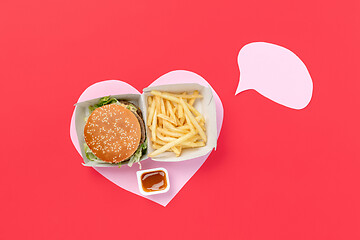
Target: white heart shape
276, 73
179, 172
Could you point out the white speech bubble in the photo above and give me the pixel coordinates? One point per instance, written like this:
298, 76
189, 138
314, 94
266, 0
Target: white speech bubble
276, 73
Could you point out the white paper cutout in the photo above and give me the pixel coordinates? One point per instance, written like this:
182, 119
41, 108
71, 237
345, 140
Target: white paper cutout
276, 73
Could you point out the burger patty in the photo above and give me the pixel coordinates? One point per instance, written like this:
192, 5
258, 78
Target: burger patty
139, 116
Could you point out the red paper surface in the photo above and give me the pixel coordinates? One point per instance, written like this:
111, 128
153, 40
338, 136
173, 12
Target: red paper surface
277, 173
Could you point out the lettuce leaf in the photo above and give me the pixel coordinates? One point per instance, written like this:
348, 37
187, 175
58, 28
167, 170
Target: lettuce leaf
131, 107
137, 155
90, 155
102, 102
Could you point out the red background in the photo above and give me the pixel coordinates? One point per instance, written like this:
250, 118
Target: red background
277, 174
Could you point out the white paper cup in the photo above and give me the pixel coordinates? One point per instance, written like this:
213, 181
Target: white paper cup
139, 173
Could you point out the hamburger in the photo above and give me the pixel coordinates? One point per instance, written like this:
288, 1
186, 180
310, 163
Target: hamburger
115, 132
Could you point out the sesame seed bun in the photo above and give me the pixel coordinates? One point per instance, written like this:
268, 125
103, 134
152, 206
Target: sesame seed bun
113, 133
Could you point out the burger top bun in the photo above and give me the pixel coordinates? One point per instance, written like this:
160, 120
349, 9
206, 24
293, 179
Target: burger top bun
113, 133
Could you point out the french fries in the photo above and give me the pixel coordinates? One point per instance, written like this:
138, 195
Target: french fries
174, 122
172, 144
193, 120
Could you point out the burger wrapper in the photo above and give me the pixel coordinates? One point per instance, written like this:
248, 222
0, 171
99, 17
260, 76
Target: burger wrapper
206, 106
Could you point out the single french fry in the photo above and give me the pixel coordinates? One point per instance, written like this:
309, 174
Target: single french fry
175, 108
151, 113
163, 111
165, 95
172, 128
182, 120
170, 133
184, 127
160, 142
180, 111
201, 122
196, 112
172, 144
165, 138
183, 96
167, 111
171, 111
150, 98
187, 96
162, 106
176, 150
153, 126
158, 109
157, 101
193, 120
188, 121
191, 101
157, 146
194, 138
166, 118
168, 124
192, 145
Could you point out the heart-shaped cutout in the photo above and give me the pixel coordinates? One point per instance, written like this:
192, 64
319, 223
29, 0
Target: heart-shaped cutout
179, 172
